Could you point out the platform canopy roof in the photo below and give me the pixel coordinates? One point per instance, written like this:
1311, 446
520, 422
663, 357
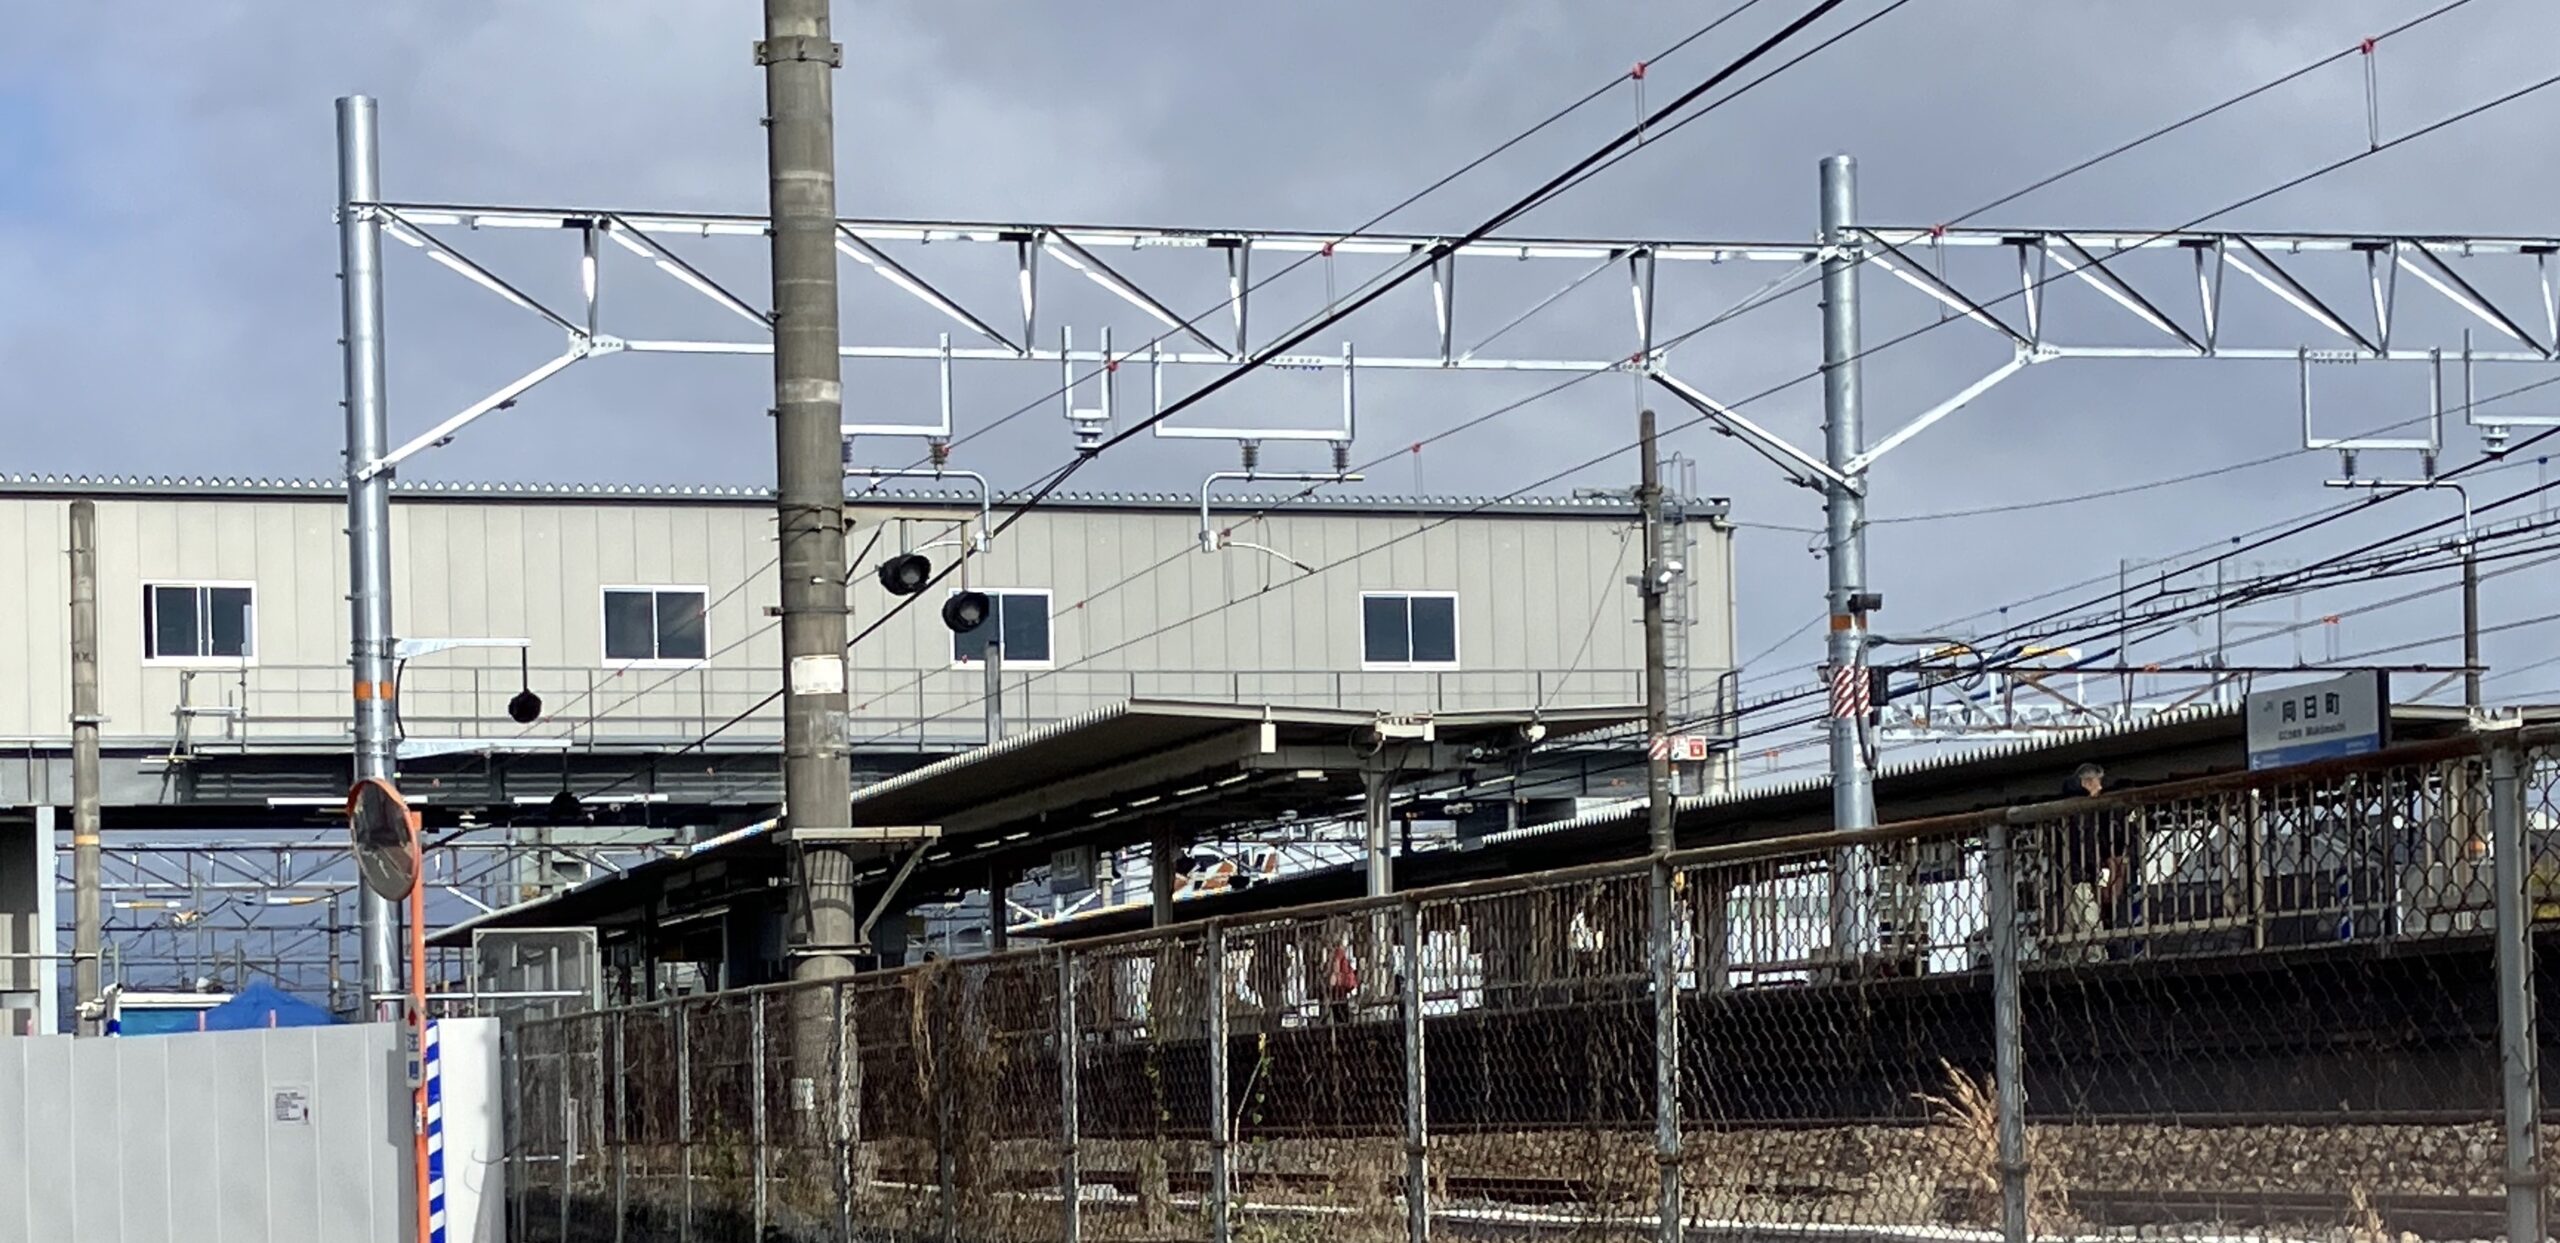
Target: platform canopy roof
1115, 777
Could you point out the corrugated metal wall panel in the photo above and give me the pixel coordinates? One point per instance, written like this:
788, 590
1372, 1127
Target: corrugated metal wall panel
158, 1139
1529, 587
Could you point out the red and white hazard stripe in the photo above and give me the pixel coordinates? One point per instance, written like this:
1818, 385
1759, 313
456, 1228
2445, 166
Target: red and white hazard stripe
1848, 692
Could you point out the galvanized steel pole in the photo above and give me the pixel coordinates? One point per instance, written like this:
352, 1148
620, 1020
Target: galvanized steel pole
86, 917
1377, 787
1221, 1182
2520, 1075
568, 1089
1070, 1172
1417, 1106
2000, 878
1853, 803
684, 1122
760, 1123
808, 409
848, 1114
368, 507
621, 1129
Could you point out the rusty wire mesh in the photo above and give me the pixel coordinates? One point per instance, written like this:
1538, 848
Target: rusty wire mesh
537, 1143
1316, 1075
647, 1132
1836, 1056
2267, 1007
1539, 1038
1141, 1046
897, 1134
2264, 1006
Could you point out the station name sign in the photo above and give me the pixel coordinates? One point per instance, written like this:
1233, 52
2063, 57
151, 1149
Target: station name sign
2323, 720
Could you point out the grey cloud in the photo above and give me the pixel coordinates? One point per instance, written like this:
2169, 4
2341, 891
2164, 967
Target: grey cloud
173, 310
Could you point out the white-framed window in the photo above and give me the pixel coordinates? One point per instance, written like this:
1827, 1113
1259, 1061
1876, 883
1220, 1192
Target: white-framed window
199, 623
655, 625
1020, 616
1408, 630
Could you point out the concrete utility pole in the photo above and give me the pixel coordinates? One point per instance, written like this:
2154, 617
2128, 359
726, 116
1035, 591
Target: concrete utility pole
86, 949
1657, 672
1662, 923
368, 508
808, 409
1853, 804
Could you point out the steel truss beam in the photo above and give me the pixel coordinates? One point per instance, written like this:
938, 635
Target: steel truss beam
2193, 325
268, 905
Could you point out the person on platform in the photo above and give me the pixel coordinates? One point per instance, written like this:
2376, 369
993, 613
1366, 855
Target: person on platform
2096, 872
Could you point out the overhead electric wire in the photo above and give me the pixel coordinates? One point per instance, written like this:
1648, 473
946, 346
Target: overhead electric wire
2344, 569
2301, 581
1191, 324
2260, 196
2547, 556
2165, 560
1278, 348
1564, 181
2166, 564
1571, 178
2380, 497
2362, 47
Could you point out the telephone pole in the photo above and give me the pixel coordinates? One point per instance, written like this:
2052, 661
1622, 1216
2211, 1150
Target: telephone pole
1658, 577
799, 57
87, 952
1657, 673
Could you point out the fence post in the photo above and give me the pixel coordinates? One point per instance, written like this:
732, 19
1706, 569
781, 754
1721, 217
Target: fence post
1221, 1228
756, 1107
621, 1127
1070, 1181
1417, 1127
946, 1156
2520, 1073
568, 1129
848, 1129
1662, 928
511, 1062
2000, 877
684, 1122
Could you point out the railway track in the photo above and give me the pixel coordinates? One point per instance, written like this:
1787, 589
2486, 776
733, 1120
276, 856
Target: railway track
2427, 1216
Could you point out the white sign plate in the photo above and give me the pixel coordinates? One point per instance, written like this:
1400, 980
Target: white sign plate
817, 675
2323, 720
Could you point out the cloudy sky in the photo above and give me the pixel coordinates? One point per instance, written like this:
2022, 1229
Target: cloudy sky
167, 248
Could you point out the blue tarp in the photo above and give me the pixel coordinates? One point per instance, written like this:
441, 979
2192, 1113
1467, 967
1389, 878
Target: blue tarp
156, 1021
261, 1005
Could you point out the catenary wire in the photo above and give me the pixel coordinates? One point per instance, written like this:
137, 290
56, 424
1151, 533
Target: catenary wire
2261, 196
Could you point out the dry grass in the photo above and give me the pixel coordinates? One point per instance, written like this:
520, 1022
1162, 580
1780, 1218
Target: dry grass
1969, 1109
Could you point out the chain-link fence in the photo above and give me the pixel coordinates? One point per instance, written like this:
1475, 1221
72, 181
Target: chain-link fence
2289, 1005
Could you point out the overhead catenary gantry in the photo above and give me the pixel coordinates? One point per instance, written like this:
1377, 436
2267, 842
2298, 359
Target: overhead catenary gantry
2162, 296
2187, 323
